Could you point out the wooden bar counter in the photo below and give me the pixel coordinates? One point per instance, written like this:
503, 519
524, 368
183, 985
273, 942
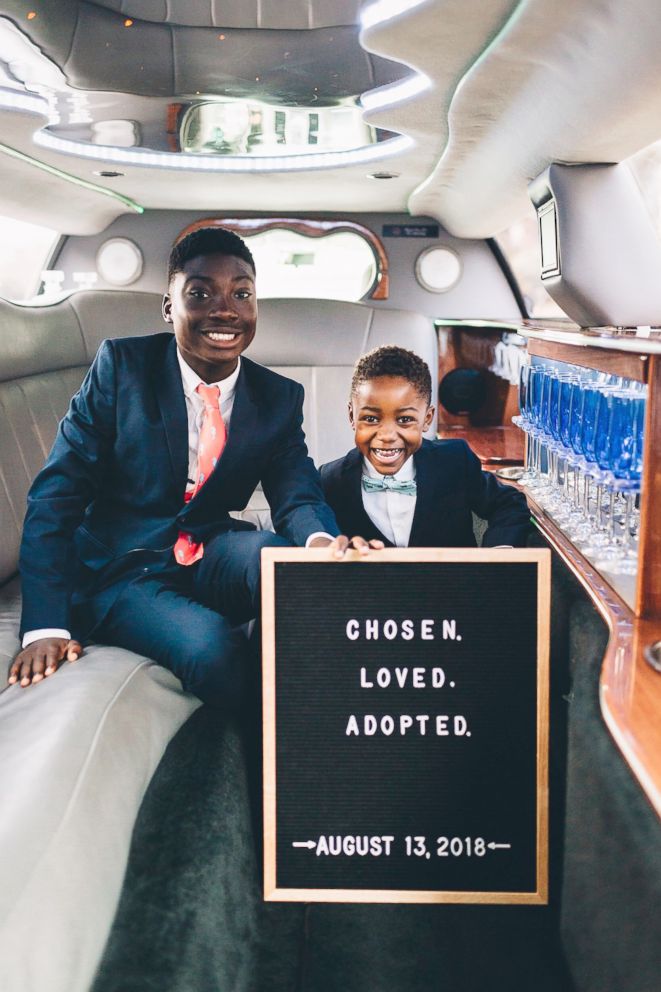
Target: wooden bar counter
630, 688
494, 446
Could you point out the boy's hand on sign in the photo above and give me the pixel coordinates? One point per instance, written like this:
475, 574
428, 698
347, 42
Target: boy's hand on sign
42, 658
340, 545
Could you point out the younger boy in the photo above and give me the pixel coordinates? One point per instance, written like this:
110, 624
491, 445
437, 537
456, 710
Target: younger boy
396, 486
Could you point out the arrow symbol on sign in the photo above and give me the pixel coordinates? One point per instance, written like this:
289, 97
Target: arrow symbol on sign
493, 846
304, 843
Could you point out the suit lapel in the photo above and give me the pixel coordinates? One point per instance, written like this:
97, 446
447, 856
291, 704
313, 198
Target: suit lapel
243, 425
427, 509
172, 405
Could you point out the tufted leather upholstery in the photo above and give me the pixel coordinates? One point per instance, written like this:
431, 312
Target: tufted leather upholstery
180, 53
294, 15
44, 354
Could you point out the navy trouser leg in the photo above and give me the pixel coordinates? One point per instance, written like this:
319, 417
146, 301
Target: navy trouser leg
190, 619
227, 578
203, 649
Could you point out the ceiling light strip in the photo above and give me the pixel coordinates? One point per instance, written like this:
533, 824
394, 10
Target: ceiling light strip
385, 10
230, 163
23, 101
22, 157
388, 96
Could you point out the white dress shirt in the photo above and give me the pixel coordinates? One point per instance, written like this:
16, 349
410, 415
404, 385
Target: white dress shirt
391, 512
195, 411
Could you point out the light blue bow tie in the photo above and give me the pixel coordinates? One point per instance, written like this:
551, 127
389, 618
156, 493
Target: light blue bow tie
389, 484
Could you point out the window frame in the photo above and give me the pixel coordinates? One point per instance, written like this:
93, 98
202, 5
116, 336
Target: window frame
248, 226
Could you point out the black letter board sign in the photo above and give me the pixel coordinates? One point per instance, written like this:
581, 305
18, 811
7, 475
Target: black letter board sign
406, 726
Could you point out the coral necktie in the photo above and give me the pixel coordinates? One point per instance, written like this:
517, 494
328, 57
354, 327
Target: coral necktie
212, 441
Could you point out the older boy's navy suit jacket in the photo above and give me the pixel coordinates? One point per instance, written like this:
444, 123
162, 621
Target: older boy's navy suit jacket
450, 484
112, 490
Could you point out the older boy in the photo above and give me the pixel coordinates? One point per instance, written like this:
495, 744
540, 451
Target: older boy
128, 535
399, 488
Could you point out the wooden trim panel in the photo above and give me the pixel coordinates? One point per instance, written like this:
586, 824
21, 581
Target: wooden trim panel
494, 446
380, 288
613, 362
648, 591
630, 689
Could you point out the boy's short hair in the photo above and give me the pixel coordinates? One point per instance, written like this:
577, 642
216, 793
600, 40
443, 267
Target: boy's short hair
390, 360
207, 241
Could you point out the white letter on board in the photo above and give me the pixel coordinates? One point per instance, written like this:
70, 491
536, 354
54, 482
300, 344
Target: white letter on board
372, 630
426, 630
460, 726
449, 630
390, 630
422, 719
352, 727
353, 630
370, 725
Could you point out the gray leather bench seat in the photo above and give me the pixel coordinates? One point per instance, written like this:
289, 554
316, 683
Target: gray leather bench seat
79, 750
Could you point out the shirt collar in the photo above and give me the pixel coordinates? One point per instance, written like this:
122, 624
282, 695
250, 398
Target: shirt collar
191, 380
405, 474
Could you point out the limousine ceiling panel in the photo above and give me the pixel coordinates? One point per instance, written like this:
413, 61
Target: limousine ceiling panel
40, 193
574, 81
99, 51
512, 87
440, 39
315, 73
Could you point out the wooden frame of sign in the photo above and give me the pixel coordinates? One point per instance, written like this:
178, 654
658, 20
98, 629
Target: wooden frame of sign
395, 805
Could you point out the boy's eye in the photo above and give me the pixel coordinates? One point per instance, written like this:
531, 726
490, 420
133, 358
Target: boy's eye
405, 420
369, 418
198, 293
243, 294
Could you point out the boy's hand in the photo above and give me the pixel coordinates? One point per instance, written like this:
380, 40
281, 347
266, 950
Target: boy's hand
341, 544
42, 658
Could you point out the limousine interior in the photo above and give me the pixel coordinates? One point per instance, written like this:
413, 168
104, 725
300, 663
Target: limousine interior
391, 165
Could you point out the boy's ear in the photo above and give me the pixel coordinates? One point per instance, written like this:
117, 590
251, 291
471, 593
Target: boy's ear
351, 420
166, 309
429, 416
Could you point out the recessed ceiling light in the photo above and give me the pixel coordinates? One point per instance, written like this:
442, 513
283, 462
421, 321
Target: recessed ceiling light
383, 175
119, 262
438, 269
108, 174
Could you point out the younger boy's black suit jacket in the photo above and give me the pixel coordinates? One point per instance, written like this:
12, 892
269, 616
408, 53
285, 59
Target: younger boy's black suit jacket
450, 484
112, 491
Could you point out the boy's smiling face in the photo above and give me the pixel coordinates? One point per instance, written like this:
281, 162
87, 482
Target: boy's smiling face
389, 418
211, 304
